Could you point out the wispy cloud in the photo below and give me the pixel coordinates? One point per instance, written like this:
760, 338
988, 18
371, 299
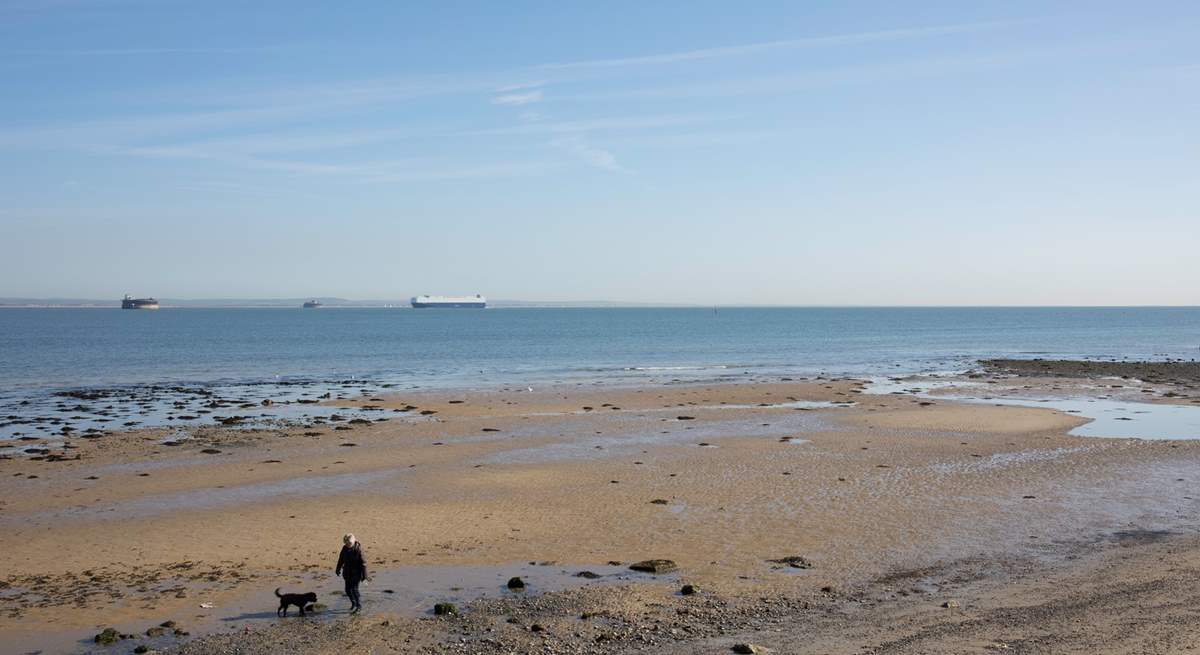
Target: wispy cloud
521, 86
518, 99
462, 172
587, 153
853, 38
275, 142
258, 126
86, 133
861, 74
516, 85
600, 124
397, 170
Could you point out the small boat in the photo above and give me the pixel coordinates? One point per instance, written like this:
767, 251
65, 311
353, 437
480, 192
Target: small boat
129, 302
312, 304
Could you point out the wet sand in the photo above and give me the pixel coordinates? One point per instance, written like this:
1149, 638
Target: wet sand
719, 478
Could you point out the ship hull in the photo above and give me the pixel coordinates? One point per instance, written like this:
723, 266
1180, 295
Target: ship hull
449, 305
134, 304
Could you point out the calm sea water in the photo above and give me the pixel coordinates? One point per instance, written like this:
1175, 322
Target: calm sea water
44, 349
71, 372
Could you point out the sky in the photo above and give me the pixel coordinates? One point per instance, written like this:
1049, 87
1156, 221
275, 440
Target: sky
795, 153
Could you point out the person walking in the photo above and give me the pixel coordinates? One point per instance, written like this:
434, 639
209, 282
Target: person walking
353, 568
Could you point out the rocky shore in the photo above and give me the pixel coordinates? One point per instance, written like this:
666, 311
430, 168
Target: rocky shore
1186, 374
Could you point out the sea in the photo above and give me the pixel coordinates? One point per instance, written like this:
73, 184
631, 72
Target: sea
136, 367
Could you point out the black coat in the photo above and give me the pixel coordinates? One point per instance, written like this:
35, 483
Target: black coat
351, 564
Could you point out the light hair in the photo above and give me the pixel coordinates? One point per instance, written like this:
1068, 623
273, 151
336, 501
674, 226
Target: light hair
349, 539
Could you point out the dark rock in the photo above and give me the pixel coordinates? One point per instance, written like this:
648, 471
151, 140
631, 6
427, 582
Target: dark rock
794, 561
659, 501
747, 649
655, 566
688, 589
516, 584
443, 609
685, 418
107, 637
587, 574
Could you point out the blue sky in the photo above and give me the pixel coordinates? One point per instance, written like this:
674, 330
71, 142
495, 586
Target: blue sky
766, 152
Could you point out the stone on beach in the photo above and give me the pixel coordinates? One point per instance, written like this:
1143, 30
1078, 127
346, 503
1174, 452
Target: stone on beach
655, 566
794, 561
107, 637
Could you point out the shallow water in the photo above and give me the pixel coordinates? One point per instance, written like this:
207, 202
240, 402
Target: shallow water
1108, 418
631, 436
213, 497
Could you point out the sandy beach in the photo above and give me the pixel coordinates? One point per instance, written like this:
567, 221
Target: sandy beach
924, 524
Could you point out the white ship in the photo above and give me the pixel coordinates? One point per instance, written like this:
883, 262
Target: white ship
471, 302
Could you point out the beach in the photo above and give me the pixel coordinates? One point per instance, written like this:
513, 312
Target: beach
599, 329
454, 491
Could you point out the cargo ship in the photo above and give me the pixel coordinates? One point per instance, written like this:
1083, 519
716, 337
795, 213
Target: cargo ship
312, 304
468, 302
129, 302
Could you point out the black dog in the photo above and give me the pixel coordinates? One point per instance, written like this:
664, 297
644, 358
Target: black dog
299, 600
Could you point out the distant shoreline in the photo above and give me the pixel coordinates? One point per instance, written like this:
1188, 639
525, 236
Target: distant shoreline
521, 304
331, 303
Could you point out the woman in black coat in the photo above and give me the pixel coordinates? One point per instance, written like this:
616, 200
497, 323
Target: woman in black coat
353, 569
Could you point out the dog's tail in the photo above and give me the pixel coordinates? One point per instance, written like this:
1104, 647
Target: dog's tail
277, 592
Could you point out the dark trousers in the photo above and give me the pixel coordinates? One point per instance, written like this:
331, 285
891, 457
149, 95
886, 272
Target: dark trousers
352, 590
